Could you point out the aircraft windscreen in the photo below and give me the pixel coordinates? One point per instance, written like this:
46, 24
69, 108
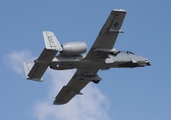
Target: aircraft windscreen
128, 52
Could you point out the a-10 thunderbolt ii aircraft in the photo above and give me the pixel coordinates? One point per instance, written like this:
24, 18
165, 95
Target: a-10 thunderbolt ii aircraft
101, 56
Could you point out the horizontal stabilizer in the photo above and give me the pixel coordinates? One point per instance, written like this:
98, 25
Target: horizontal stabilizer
51, 42
28, 66
47, 55
52, 46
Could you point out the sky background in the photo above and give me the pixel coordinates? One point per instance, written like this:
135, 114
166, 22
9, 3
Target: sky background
123, 94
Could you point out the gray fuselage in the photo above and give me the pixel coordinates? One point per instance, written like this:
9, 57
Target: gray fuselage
120, 60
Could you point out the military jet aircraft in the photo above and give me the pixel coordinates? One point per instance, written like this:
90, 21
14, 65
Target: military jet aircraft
101, 56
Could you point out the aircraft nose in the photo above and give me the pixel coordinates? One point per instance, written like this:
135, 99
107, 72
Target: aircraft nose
147, 62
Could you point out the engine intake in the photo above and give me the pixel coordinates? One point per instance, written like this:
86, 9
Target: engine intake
73, 48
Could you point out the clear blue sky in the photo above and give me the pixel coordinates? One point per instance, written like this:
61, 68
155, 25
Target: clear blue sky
123, 94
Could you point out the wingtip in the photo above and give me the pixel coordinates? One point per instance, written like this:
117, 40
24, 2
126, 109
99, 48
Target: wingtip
119, 10
55, 102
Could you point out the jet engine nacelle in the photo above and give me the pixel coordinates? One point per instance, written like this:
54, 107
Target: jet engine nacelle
73, 48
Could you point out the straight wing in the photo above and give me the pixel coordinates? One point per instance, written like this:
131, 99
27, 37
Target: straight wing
105, 40
109, 32
80, 79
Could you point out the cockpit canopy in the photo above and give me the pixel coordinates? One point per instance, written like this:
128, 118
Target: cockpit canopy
128, 52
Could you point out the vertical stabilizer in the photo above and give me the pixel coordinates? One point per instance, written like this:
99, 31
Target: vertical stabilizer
51, 42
